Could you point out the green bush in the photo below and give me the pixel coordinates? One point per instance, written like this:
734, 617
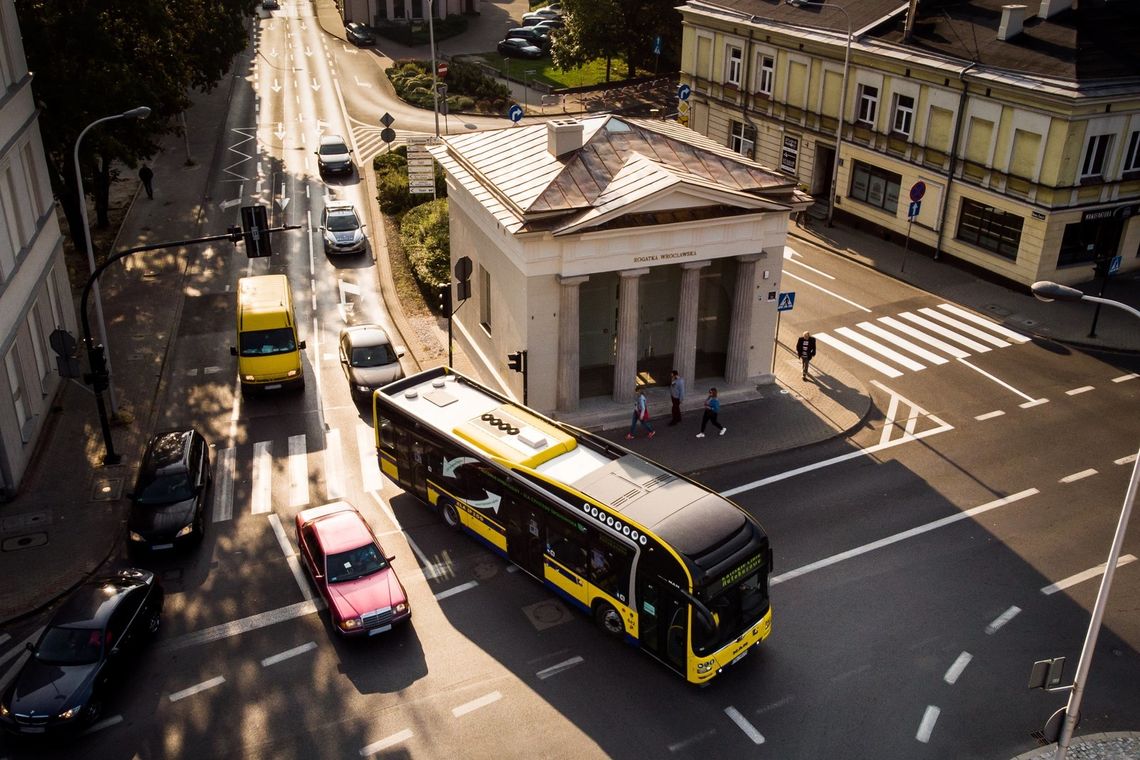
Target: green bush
425, 236
467, 87
392, 183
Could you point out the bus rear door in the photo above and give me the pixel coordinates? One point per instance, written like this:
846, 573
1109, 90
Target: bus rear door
411, 463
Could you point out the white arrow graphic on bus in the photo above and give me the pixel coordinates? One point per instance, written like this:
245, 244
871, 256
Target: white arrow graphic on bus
491, 502
451, 465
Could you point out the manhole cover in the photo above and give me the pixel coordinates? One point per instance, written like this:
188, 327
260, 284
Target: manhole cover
485, 570
17, 523
29, 541
547, 614
106, 489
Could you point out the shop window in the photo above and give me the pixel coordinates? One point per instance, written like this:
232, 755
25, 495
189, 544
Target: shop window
876, 187
989, 228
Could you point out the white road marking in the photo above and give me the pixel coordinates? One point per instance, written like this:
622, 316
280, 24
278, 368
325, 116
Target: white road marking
224, 493
914, 348
3, 638
290, 556
926, 727
930, 340
1034, 402
385, 509
114, 720
216, 681
678, 746
883, 542
891, 421
554, 670
945, 332
989, 415
262, 494
244, 625
880, 349
475, 704
809, 283
1077, 391
1078, 476
858, 355
1002, 619
334, 465
1089, 574
396, 738
1003, 384
288, 653
1016, 337
743, 724
456, 590
956, 669
793, 256
298, 471
1124, 378
1125, 460
963, 327
369, 465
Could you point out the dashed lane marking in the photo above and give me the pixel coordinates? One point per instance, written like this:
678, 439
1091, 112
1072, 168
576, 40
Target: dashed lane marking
743, 724
926, 727
394, 739
1002, 619
678, 746
288, 654
1125, 378
554, 670
1089, 574
244, 625
1078, 476
476, 704
456, 590
956, 669
989, 415
198, 688
1125, 460
1078, 391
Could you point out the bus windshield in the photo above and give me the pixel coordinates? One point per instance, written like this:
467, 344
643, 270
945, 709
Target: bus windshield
735, 604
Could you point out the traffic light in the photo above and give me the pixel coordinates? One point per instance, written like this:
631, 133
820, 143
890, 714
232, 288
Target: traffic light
97, 377
463, 278
1100, 266
255, 230
445, 300
517, 361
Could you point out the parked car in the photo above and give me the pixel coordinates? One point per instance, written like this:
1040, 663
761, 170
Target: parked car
542, 13
87, 650
518, 48
358, 34
334, 156
551, 25
538, 37
168, 503
269, 5
368, 359
341, 228
351, 570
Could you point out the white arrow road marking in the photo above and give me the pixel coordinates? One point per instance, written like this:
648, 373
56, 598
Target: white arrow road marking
316, 85
280, 131
276, 87
224, 205
362, 84
282, 201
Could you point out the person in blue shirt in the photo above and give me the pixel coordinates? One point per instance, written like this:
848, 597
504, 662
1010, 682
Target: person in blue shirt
640, 414
712, 409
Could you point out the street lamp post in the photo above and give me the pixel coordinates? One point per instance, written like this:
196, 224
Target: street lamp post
842, 104
434, 74
135, 113
1049, 291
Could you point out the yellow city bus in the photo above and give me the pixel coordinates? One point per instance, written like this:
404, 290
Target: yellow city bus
657, 559
268, 350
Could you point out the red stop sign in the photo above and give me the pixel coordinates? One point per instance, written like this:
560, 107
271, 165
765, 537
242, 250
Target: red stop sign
441, 69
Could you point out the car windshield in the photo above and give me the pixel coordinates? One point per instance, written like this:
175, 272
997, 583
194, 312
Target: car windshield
342, 222
279, 340
373, 356
165, 489
355, 563
70, 646
333, 149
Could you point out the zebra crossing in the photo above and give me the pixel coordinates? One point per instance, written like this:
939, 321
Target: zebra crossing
284, 467
913, 340
369, 144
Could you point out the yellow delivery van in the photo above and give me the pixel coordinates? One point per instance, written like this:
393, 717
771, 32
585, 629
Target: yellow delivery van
268, 351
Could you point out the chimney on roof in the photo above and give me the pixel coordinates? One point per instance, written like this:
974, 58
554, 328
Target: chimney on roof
1012, 17
1050, 8
908, 27
563, 136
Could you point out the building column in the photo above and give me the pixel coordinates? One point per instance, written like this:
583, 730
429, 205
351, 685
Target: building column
685, 349
740, 328
569, 336
625, 363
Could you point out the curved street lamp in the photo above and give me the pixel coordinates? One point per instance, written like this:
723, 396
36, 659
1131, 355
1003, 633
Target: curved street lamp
1051, 291
140, 112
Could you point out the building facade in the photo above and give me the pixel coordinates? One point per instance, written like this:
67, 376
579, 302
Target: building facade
35, 298
374, 12
1016, 126
612, 250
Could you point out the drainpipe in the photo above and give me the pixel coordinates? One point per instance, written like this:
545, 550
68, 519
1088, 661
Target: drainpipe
953, 157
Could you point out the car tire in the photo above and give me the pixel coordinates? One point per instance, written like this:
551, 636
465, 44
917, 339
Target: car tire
93, 710
450, 514
154, 622
609, 620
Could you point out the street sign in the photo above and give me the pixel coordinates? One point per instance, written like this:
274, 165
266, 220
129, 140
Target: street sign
441, 69
787, 301
515, 113
912, 212
387, 134
917, 190
684, 91
387, 119
1114, 265
657, 45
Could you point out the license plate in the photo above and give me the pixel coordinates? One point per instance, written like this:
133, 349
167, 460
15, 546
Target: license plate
157, 547
381, 629
31, 729
739, 657
272, 386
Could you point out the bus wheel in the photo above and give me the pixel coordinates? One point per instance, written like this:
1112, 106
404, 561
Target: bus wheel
609, 620
450, 514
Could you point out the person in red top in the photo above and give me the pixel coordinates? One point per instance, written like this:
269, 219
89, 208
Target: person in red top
640, 414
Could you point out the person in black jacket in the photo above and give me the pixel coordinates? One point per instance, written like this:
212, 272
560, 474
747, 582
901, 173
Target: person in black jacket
805, 349
147, 177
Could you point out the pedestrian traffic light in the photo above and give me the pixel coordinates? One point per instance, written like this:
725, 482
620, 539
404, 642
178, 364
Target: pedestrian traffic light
97, 378
255, 229
445, 299
517, 361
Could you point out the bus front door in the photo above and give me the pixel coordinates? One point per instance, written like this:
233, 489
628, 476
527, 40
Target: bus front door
411, 463
662, 622
524, 542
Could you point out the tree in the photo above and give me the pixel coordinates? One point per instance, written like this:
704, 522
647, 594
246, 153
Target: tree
92, 58
602, 28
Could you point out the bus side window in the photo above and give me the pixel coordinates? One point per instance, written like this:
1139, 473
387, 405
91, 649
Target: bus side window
566, 545
609, 568
387, 435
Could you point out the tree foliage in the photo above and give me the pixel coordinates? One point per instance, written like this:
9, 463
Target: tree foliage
626, 28
93, 58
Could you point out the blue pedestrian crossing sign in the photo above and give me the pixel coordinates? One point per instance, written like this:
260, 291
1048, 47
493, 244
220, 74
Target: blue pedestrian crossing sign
786, 301
1114, 265
515, 113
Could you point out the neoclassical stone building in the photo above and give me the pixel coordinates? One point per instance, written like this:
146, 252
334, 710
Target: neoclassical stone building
372, 12
612, 250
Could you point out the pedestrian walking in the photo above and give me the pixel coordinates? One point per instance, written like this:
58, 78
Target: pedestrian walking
147, 177
712, 409
805, 349
676, 395
640, 414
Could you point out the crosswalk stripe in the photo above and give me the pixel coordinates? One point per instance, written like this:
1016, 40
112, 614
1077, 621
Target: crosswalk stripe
903, 343
224, 493
858, 355
934, 327
369, 466
298, 471
334, 465
261, 497
930, 340
959, 325
999, 329
880, 349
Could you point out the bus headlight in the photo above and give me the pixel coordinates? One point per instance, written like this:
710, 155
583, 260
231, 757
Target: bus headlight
706, 666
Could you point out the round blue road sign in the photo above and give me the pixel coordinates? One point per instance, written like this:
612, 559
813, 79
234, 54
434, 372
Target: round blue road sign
683, 92
917, 190
515, 113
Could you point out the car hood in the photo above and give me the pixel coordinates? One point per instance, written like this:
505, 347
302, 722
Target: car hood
374, 377
161, 519
335, 158
45, 689
372, 592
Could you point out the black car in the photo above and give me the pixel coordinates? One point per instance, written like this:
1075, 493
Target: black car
540, 38
85, 651
358, 34
518, 48
168, 504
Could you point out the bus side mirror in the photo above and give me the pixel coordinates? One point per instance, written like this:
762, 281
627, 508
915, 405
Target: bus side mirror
233, 350
302, 345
